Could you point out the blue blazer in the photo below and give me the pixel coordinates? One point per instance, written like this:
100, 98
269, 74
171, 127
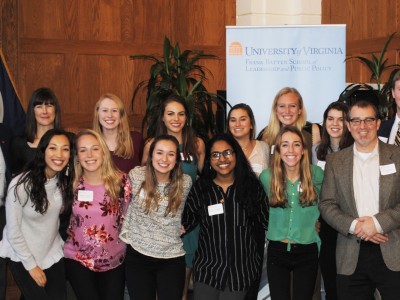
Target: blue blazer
386, 128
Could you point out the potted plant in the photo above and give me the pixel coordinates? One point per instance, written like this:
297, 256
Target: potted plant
180, 73
377, 66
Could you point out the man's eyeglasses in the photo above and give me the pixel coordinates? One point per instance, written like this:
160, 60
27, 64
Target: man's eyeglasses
367, 121
217, 155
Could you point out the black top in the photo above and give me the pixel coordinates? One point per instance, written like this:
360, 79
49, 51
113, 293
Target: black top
21, 154
227, 251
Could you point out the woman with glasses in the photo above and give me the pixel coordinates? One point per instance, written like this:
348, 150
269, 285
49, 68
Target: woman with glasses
292, 185
229, 204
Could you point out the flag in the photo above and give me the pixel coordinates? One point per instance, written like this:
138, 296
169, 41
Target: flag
12, 116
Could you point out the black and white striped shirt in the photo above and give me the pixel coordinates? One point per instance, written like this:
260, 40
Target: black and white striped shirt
227, 251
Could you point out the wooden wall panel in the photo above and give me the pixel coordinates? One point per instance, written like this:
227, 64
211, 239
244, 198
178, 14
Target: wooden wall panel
9, 34
369, 24
80, 48
42, 70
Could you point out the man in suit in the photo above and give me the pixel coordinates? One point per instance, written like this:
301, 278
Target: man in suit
388, 130
360, 198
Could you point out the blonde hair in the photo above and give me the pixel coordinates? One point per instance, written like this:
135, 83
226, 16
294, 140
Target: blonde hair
175, 186
278, 197
275, 125
111, 176
124, 147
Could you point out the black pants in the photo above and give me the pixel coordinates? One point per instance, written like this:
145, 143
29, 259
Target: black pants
55, 285
147, 276
371, 272
301, 260
327, 259
87, 284
259, 233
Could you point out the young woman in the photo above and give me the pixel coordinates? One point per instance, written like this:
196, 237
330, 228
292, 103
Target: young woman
111, 121
288, 110
335, 137
94, 253
43, 113
35, 199
242, 126
229, 203
293, 186
155, 262
174, 119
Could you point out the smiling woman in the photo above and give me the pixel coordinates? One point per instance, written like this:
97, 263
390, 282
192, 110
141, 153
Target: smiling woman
292, 186
43, 113
229, 204
35, 200
94, 253
111, 121
155, 264
174, 119
335, 137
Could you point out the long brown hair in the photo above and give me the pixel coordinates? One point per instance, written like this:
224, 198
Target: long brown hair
278, 197
189, 140
174, 187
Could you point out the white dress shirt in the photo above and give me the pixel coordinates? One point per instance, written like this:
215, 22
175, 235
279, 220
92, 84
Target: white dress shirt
366, 185
393, 132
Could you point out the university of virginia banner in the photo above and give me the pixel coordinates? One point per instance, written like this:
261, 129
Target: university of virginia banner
262, 60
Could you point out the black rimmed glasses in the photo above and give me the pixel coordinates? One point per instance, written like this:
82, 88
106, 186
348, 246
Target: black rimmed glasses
367, 121
217, 155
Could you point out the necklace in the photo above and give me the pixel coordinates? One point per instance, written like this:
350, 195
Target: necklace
248, 147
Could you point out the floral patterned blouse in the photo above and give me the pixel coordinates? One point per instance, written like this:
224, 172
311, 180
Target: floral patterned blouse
94, 227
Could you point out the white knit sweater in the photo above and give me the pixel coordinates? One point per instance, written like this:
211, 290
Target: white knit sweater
153, 234
30, 237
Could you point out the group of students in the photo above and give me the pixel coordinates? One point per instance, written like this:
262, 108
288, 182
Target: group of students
102, 210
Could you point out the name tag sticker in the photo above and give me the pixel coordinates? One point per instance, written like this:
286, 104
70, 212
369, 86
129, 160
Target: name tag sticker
215, 209
183, 157
387, 169
299, 189
272, 149
84, 195
321, 164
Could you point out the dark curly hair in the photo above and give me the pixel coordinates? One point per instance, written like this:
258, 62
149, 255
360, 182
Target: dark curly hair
33, 179
245, 179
